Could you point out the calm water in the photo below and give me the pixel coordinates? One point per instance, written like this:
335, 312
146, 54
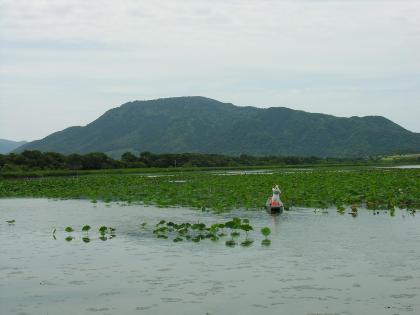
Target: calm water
404, 166
317, 263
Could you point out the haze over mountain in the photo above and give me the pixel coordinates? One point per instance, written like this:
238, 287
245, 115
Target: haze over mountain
7, 146
199, 124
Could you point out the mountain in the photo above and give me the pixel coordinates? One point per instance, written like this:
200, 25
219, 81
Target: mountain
7, 146
199, 124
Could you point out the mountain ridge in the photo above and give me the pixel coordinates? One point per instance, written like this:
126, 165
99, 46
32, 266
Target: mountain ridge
7, 146
200, 124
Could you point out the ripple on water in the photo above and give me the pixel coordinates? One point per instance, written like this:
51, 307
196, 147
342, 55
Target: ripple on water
403, 296
320, 264
97, 309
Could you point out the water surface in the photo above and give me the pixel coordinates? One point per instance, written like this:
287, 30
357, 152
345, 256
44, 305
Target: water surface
317, 263
415, 166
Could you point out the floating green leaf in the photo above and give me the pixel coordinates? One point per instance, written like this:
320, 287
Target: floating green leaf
265, 231
103, 229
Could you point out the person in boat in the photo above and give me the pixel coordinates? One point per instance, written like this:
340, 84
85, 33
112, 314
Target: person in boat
275, 199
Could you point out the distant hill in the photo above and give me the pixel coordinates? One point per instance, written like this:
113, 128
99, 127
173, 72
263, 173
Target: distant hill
7, 146
199, 124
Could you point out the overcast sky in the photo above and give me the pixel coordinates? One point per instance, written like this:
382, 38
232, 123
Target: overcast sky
64, 63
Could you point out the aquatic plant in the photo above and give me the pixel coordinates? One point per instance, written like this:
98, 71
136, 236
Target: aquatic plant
103, 229
230, 243
354, 211
247, 243
185, 231
214, 238
86, 228
196, 239
341, 209
266, 242
265, 231
235, 234
246, 228
199, 231
377, 189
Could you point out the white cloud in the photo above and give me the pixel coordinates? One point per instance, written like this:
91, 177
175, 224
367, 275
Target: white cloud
339, 57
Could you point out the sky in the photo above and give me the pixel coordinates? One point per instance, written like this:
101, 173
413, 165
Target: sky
64, 63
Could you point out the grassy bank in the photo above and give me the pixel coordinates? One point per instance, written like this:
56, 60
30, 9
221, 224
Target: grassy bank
170, 170
153, 170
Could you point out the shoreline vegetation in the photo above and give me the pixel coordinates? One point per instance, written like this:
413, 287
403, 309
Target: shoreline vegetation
43, 164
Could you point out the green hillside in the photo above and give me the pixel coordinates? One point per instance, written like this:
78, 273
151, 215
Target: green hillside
198, 124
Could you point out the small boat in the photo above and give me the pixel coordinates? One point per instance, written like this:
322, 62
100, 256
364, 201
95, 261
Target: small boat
274, 206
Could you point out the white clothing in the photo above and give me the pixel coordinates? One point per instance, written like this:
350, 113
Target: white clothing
276, 194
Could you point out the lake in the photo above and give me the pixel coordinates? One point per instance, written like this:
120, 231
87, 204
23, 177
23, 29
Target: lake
414, 166
317, 263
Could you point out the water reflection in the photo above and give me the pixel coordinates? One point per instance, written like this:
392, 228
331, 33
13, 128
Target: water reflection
275, 218
316, 264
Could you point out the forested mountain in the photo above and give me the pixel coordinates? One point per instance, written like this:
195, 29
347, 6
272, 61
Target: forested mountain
7, 146
199, 124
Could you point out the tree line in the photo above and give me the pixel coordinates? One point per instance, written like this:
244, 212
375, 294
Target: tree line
37, 160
